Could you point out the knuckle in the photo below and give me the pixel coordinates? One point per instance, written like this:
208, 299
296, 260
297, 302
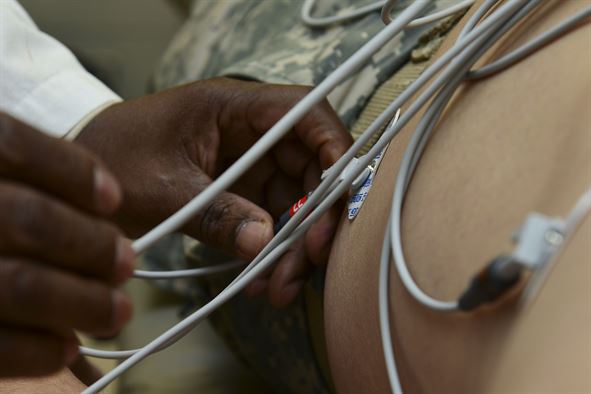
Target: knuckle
102, 237
23, 285
215, 219
29, 216
91, 238
83, 161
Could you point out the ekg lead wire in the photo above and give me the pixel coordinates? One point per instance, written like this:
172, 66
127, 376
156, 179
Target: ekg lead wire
339, 166
425, 20
385, 6
495, 67
264, 263
188, 273
414, 151
388, 134
530, 47
249, 158
280, 128
309, 20
419, 82
360, 142
456, 73
409, 162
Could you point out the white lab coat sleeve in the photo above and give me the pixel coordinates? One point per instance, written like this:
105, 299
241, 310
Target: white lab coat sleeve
41, 81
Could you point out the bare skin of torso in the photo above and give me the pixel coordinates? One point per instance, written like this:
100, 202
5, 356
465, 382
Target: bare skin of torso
514, 143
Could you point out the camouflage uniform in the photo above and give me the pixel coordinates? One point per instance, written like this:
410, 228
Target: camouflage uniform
265, 40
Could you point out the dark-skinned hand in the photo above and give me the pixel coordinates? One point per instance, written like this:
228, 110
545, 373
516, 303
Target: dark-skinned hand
60, 259
167, 147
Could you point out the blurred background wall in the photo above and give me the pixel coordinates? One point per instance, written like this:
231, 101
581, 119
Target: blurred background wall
120, 41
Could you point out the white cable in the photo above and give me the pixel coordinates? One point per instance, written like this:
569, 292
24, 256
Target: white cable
476, 17
309, 20
384, 139
188, 273
579, 212
271, 247
425, 20
321, 22
384, 310
172, 334
236, 170
413, 154
282, 127
395, 236
416, 147
329, 190
297, 112
532, 46
381, 119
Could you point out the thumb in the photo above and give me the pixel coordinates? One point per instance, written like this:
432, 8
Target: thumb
233, 224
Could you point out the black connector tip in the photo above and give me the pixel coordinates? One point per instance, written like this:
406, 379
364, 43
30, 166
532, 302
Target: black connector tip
494, 280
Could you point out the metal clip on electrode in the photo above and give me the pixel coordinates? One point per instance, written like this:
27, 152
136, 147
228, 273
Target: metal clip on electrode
538, 238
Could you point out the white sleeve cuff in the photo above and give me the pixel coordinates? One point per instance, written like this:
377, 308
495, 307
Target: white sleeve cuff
60, 102
82, 123
41, 82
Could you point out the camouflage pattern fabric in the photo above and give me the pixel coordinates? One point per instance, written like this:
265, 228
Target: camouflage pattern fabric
264, 40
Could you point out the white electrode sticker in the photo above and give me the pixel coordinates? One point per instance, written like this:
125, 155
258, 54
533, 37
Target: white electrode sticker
358, 197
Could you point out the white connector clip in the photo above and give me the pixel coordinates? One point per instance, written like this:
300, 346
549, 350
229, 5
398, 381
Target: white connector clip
351, 167
538, 238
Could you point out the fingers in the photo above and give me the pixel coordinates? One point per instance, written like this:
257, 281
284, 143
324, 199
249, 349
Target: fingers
233, 224
318, 239
323, 132
40, 227
281, 193
253, 108
289, 276
259, 285
37, 353
35, 295
286, 279
320, 130
292, 157
57, 167
251, 185
283, 281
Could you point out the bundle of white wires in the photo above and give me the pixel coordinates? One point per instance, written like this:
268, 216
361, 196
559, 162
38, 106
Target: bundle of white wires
475, 39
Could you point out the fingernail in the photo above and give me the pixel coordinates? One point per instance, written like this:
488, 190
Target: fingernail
122, 308
256, 287
106, 191
71, 352
124, 260
252, 237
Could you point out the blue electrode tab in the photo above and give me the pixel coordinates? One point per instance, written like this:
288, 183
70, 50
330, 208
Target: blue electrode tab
358, 197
